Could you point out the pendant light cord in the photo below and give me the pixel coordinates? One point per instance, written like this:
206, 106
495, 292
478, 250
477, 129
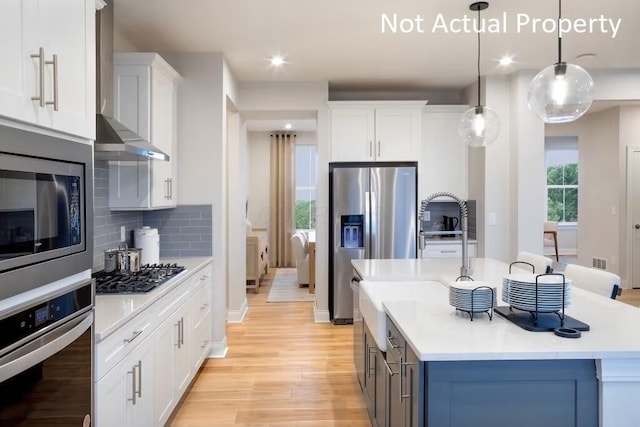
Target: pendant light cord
559, 35
478, 56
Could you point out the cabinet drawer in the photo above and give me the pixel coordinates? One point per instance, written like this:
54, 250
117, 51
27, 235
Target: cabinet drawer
111, 350
395, 340
446, 250
201, 302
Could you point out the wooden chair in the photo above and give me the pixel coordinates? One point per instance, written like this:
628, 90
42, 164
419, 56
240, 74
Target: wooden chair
594, 280
550, 235
541, 264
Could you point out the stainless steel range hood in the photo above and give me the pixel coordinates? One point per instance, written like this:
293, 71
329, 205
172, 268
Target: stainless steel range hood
114, 141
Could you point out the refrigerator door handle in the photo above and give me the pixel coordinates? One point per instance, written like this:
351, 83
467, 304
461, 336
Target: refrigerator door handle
373, 227
367, 225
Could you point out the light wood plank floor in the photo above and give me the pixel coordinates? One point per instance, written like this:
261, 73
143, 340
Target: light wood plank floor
282, 369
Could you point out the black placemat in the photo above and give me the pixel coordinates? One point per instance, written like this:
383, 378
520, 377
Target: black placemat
547, 322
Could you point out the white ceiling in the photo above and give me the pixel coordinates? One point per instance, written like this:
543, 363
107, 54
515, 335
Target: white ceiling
340, 41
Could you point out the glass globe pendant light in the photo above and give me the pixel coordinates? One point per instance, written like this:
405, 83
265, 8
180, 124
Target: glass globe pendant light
479, 125
562, 92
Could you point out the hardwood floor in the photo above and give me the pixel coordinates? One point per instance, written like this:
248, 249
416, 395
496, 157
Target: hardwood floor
282, 369
630, 296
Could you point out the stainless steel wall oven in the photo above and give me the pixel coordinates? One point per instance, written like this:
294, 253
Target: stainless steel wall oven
46, 359
46, 210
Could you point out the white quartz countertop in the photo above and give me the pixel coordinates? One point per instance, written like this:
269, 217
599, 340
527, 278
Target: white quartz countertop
113, 311
436, 331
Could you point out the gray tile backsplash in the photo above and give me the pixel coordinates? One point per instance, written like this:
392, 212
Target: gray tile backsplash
107, 223
440, 209
184, 231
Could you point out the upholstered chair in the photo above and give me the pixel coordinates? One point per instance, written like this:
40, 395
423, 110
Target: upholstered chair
541, 264
301, 255
601, 282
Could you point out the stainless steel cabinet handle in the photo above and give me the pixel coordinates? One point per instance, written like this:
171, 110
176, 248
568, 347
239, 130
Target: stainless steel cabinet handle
54, 62
402, 365
135, 392
40, 57
135, 335
204, 343
178, 340
170, 188
182, 331
204, 306
378, 148
391, 340
140, 379
166, 189
370, 148
386, 364
372, 350
448, 252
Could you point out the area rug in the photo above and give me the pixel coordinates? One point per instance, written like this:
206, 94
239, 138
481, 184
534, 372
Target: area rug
284, 287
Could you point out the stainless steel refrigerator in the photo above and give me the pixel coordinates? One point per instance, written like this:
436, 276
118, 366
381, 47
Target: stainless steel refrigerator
373, 216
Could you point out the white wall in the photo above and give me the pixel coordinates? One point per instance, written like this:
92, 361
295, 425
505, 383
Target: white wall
598, 146
202, 160
312, 97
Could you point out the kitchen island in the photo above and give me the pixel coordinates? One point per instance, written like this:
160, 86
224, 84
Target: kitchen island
492, 370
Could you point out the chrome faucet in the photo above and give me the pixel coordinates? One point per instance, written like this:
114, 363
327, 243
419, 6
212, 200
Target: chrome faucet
465, 269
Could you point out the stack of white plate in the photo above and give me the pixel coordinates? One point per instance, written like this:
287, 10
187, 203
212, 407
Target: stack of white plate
472, 296
519, 290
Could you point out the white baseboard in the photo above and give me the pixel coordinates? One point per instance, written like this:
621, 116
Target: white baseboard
237, 316
321, 316
218, 349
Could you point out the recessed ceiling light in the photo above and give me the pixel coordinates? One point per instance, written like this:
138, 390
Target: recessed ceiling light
277, 61
505, 61
288, 126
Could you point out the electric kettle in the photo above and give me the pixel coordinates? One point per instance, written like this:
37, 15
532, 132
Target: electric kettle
450, 224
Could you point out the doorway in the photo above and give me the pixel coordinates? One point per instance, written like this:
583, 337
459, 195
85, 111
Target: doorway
633, 220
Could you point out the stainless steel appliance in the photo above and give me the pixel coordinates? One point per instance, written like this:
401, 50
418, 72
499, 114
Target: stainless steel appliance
46, 210
46, 359
373, 216
148, 278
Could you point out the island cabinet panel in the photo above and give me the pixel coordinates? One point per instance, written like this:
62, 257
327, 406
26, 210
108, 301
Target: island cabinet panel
376, 380
512, 392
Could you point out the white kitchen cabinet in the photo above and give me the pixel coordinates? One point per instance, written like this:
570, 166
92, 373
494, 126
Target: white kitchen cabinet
124, 394
443, 162
172, 365
201, 320
48, 52
145, 97
375, 131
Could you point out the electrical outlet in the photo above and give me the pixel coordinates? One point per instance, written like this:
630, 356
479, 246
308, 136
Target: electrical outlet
427, 215
492, 219
123, 237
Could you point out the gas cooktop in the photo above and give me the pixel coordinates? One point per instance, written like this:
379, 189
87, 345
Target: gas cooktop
148, 278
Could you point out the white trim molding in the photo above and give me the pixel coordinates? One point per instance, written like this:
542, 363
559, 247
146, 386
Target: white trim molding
237, 316
320, 316
218, 349
618, 389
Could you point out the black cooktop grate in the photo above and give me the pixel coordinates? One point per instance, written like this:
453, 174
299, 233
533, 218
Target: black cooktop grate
148, 278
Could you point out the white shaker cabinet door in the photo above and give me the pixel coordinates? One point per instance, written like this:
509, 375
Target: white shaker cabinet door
65, 29
162, 136
352, 134
443, 163
397, 134
18, 70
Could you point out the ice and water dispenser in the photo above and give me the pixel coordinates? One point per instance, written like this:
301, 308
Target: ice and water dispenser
352, 231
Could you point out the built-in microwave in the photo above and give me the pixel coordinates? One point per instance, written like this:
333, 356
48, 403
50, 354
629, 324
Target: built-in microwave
46, 209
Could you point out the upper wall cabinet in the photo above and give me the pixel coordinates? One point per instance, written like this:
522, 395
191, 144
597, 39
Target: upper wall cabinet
443, 162
47, 77
146, 98
375, 131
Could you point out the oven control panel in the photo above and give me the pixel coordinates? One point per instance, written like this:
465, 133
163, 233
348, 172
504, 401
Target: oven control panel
40, 316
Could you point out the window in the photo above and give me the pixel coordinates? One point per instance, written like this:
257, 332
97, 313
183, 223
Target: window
561, 161
305, 207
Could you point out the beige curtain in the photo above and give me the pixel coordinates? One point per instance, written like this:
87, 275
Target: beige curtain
282, 199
